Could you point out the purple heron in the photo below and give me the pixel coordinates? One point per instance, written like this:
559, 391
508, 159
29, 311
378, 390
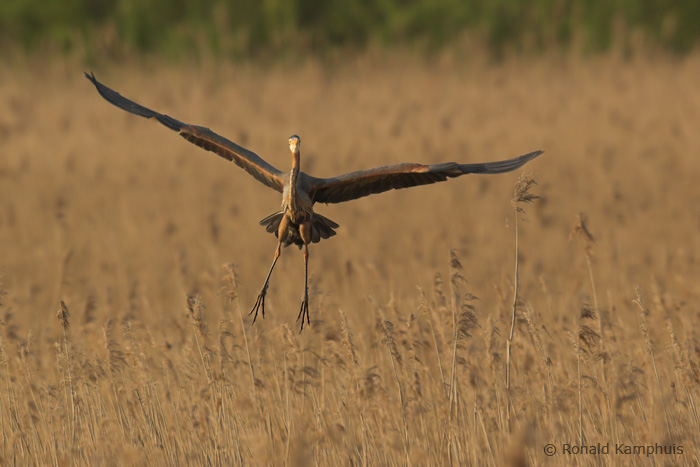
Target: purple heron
297, 223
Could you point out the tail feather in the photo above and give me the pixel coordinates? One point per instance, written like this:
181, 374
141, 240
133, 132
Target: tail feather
272, 222
321, 228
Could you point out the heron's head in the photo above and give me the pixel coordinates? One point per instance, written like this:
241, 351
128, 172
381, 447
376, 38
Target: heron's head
294, 144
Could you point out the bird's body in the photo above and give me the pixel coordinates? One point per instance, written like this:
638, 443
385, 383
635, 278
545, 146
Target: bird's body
297, 223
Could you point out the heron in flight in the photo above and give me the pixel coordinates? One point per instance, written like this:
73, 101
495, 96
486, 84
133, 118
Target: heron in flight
297, 223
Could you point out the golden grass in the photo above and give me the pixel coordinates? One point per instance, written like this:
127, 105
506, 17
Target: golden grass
154, 249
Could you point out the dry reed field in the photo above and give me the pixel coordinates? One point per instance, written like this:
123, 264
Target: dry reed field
129, 260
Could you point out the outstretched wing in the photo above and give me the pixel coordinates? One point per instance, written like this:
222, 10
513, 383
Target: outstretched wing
393, 177
202, 137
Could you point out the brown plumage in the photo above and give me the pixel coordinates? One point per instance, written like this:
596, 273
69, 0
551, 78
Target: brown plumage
296, 223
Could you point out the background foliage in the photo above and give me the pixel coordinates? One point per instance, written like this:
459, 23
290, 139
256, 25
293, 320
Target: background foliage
248, 28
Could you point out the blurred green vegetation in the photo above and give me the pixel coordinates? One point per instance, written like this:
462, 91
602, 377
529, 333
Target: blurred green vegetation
248, 28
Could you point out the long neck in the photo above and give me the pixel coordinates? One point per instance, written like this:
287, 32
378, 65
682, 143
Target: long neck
294, 175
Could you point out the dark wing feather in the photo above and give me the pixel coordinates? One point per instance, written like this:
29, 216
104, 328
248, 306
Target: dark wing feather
202, 137
367, 182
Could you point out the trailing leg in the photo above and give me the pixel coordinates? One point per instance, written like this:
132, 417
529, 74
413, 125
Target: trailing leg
282, 233
305, 231
260, 301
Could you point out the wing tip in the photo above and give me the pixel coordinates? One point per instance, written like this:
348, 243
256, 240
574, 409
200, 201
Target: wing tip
533, 154
91, 77
524, 159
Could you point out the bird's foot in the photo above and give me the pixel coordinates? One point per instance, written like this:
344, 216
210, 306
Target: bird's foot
304, 312
259, 305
